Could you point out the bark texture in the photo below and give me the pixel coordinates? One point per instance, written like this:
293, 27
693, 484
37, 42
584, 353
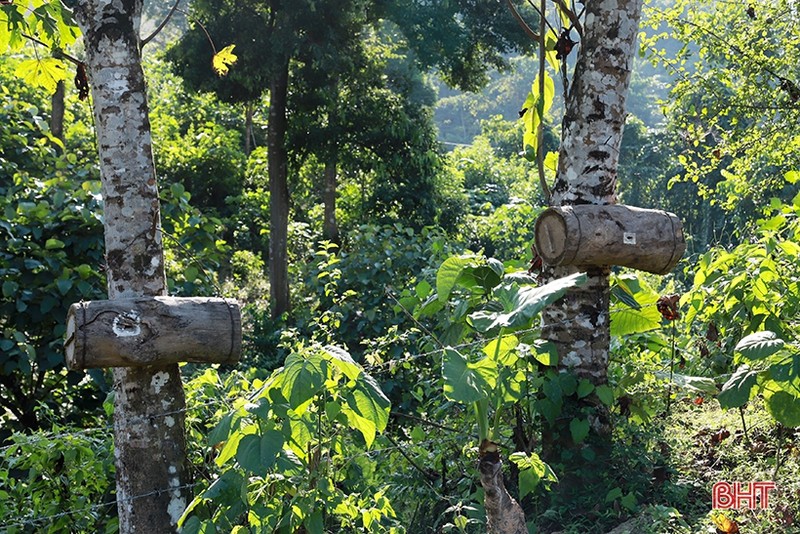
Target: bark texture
149, 402
503, 514
587, 173
330, 229
278, 192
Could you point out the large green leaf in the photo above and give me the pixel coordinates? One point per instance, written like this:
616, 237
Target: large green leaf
521, 304
342, 360
783, 403
759, 345
448, 274
737, 390
304, 376
466, 381
626, 321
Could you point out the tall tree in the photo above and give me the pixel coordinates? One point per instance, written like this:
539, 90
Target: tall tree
149, 402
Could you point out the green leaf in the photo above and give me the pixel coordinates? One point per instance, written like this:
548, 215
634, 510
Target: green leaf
43, 72
545, 352
304, 376
584, 388
737, 390
759, 345
448, 273
314, 523
466, 381
342, 361
579, 429
10, 288
367, 408
503, 349
627, 321
521, 304
53, 244
782, 405
605, 394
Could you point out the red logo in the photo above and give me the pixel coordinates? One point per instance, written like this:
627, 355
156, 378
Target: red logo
753, 495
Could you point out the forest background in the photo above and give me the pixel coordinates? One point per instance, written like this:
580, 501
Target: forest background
426, 177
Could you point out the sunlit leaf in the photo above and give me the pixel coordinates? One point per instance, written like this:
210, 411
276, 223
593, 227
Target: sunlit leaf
223, 60
759, 345
466, 381
43, 72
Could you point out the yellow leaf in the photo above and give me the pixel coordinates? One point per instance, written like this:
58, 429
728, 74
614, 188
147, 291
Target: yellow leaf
223, 60
44, 72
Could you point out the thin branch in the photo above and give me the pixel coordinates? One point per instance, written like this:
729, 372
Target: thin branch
61, 53
539, 109
573, 18
424, 421
163, 23
527, 29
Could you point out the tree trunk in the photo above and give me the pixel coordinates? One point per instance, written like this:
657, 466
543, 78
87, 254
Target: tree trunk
149, 402
587, 173
330, 230
57, 112
278, 192
249, 109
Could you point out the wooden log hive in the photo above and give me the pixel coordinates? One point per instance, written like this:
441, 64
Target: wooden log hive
144, 331
590, 235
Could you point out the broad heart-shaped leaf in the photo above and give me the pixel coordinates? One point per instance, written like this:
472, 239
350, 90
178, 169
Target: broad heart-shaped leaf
736, 391
257, 453
367, 408
304, 376
579, 428
466, 381
759, 345
783, 402
448, 274
521, 304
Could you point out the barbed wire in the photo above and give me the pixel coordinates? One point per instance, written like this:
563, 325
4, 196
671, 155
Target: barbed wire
28, 439
94, 507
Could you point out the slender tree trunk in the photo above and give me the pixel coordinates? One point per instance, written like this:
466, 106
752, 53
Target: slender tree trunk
249, 109
57, 112
149, 402
279, 192
330, 229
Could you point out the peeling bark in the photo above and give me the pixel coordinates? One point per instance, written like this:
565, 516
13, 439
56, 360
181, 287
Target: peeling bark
149, 402
587, 173
503, 514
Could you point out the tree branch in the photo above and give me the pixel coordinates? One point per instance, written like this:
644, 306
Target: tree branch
573, 18
60, 53
527, 29
163, 23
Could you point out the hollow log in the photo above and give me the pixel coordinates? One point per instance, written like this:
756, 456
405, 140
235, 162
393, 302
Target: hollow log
603, 235
147, 331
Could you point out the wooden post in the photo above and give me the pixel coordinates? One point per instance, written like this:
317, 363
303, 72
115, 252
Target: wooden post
604, 235
143, 331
